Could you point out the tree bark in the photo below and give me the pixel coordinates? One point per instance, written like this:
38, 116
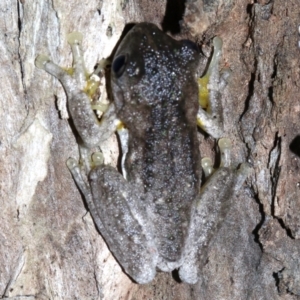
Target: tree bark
49, 246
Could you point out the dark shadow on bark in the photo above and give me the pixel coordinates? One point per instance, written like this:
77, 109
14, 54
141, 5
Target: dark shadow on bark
295, 145
174, 13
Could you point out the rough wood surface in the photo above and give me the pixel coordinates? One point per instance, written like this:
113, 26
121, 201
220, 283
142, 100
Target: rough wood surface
49, 246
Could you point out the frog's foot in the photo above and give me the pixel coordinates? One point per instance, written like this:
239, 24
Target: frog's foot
81, 88
209, 116
211, 209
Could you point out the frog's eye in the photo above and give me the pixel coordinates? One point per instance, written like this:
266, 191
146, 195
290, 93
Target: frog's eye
190, 45
118, 65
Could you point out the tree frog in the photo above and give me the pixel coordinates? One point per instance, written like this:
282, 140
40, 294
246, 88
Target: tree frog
155, 215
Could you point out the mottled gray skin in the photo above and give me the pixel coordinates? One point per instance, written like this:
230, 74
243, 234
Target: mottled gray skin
155, 217
163, 156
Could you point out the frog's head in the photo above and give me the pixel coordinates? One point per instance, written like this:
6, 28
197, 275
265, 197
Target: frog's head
151, 69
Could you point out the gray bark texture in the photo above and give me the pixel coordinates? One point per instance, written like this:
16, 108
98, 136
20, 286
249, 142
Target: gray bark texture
49, 247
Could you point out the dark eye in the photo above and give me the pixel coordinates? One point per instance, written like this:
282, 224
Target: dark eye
118, 65
190, 45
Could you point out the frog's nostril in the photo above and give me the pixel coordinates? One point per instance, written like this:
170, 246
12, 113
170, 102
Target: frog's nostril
118, 65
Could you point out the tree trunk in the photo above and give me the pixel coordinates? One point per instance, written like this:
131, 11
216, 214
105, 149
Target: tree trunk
50, 248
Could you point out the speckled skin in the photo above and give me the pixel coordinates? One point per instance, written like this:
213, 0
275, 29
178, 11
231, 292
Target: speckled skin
156, 216
163, 154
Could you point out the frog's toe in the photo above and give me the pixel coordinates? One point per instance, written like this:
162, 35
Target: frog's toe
97, 159
207, 166
74, 38
41, 61
225, 150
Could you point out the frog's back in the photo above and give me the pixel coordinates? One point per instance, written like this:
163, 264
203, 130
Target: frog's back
166, 163
172, 178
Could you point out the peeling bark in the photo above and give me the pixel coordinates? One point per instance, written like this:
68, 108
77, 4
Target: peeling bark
49, 246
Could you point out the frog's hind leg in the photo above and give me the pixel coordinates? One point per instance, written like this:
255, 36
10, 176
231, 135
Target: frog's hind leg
80, 87
209, 116
210, 210
120, 214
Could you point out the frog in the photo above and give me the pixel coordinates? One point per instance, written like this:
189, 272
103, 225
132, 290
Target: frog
156, 214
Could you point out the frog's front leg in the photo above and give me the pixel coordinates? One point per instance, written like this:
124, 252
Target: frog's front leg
119, 211
79, 87
210, 209
210, 113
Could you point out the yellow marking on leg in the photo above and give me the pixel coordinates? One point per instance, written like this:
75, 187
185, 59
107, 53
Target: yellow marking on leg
203, 95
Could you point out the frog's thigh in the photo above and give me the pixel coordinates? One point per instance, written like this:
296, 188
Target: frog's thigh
211, 207
118, 205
